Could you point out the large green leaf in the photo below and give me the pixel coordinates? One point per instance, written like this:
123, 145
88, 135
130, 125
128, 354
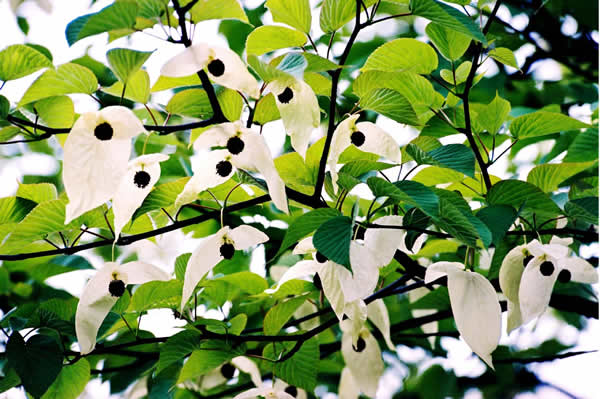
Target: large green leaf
403, 55
268, 38
218, 9
332, 239
491, 116
411, 192
295, 13
301, 369
549, 176
161, 196
59, 265
453, 156
522, 194
71, 381
585, 209
177, 347
137, 88
336, 13
392, 104
542, 123
56, 112
498, 219
278, 315
155, 295
456, 218
66, 79
20, 60
209, 356
14, 209
37, 361
305, 224
125, 62
447, 16
504, 56
119, 15
584, 147
190, 102
450, 43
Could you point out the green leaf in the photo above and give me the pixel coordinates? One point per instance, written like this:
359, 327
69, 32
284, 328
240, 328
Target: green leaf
392, 104
336, 13
231, 104
498, 219
456, 223
585, 209
279, 314
320, 84
14, 209
448, 17
450, 43
156, 294
137, 88
266, 110
584, 147
37, 361
66, 79
59, 265
4, 107
452, 156
492, 116
211, 355
542, 123
305, 224
71, 381
247, 282
504, 56
162, 196
548, 177
167, 82
10, 379
20, 60
301, 369
459, 76
56, 112
218, 9
294, 172
190, 102
411, 192
403, 55
268, 38
177, 347
295, 13
105, 76
125, 62
332, 239
119, 15
434, 175
522, 194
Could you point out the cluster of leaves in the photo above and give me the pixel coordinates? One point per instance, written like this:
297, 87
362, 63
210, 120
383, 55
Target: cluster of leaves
454, 208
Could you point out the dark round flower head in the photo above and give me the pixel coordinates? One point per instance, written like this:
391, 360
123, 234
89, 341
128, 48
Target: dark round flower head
317, 282
320, 257
227, 370
103, 131
360, 345
547, 268
224, 168
564, 276
216, 68
141, 179
357, 138
116, 288
235, 145
291, 390
227, 250
285, 96
527, 259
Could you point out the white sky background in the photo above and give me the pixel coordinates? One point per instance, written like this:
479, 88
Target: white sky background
577, 375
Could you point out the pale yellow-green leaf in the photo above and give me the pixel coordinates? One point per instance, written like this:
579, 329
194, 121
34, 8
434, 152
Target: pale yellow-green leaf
403, 54
137, 88
450, 43
268, 38
56, 112
505, 56
295, 13
20, 60
549, 176
218, 9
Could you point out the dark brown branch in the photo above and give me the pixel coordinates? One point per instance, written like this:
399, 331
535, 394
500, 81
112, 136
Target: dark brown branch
540, 359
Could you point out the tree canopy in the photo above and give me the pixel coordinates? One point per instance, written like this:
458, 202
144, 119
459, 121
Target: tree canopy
294, 206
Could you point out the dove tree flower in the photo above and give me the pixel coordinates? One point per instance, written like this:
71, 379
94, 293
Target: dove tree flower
102, 292
474, 304
529, 272
226, 371
299, 110
222, 65
215, 248
142, 174
244, 149
96, 154
365, 136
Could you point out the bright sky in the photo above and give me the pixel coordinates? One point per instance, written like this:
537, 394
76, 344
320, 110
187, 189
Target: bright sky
577, 375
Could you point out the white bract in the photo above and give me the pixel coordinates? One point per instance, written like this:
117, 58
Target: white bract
299, 110
222, 65
214, 249
103, 291
142, 174
363, 360
277, 391
529, 289
244, 149
365, 136
475, 307
215, 377
96, 153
